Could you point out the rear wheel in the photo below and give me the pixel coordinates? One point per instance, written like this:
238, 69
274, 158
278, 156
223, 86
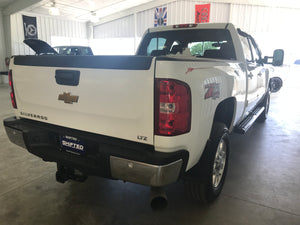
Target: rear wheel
207, 178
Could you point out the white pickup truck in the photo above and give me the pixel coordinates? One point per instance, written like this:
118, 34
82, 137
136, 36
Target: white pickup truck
153, 118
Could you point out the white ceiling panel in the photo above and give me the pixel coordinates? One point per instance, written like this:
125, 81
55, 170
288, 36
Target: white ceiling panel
82, 9
4, 3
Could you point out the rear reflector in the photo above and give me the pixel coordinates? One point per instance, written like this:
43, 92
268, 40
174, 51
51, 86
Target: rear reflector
12, 93
172, 107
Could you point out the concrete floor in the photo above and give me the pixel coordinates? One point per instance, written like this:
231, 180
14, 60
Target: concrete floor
262, 186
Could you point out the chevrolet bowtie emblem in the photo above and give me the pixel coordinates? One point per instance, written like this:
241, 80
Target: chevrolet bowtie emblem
68, 98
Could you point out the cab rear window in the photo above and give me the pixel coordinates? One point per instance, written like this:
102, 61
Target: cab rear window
206, 43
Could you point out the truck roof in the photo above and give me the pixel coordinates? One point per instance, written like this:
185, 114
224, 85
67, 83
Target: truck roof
194, 25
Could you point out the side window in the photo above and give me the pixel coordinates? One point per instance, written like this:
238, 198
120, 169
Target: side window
84, 51
156, 44
246, 48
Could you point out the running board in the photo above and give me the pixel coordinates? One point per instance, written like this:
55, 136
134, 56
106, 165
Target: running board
245, 125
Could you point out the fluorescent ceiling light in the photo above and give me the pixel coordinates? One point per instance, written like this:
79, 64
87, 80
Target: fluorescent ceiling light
54, 11
94, 18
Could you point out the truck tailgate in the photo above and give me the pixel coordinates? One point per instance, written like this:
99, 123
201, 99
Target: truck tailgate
113, 97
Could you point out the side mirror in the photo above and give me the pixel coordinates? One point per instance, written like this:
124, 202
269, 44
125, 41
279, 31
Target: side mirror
277, 59
278, 56
275, 84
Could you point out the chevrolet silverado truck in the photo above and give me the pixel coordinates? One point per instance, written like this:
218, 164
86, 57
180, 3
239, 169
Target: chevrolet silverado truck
153, 118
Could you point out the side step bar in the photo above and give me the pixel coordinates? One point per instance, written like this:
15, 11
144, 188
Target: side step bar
245, 125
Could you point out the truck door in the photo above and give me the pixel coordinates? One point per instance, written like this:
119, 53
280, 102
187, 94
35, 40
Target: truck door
259, 68
252, 70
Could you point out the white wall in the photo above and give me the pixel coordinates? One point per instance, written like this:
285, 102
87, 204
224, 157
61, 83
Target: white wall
182, 12
123, 27
177, 12
3, 79
2, 44
115, 37
273, 27
47, 27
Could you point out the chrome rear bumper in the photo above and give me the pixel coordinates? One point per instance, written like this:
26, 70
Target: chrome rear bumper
143, 173
15, 136
105, 156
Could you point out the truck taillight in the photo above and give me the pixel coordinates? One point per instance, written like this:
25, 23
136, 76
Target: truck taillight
12, 93
172, 107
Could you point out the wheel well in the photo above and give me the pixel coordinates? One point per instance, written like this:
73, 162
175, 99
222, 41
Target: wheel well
225, 111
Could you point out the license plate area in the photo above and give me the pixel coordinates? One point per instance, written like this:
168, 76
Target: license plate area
72, 145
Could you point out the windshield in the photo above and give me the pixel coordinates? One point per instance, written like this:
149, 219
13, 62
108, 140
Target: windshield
206, 43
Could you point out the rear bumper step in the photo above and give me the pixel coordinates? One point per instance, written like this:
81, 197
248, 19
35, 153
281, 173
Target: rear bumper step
105, 156
245, 125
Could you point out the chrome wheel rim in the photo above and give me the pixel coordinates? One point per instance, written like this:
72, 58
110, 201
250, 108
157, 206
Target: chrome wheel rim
219, 164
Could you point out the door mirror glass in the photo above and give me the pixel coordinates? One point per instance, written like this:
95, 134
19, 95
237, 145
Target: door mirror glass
276, 59
278, 56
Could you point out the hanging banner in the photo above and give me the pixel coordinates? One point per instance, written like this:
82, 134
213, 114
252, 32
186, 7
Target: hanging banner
202, 13
30, 28
160, 17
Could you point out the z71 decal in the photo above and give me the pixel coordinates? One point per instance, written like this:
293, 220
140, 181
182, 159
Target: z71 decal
213, 91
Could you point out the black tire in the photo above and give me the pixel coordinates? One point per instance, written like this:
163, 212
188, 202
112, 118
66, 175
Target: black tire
200, 183
265, 103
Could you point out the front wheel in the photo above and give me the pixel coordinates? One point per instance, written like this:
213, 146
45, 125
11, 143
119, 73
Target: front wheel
207, 178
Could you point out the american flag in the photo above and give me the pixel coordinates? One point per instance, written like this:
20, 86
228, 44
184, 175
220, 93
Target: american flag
160, 17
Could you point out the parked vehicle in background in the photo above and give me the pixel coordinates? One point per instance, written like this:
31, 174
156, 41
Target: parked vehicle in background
43, 48
73, 50
297, 62
40, 47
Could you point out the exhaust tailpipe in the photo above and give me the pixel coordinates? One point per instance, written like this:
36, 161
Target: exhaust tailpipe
158, 198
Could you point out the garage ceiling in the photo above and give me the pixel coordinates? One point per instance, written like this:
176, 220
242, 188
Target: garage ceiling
4, 3
82, 10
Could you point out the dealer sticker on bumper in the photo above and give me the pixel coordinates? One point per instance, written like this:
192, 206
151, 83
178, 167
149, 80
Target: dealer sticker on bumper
72, 144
